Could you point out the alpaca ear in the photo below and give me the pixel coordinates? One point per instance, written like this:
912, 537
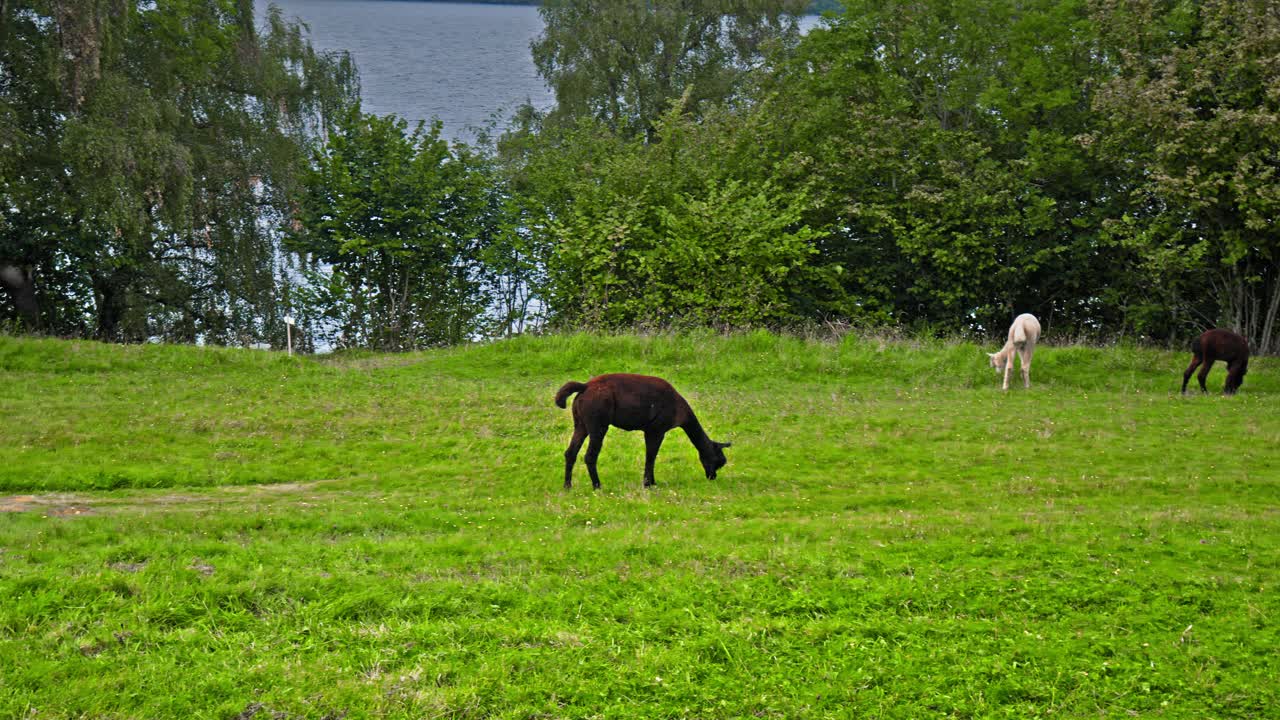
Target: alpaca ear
725, 445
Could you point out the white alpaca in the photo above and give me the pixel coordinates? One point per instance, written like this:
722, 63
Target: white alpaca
1023, 335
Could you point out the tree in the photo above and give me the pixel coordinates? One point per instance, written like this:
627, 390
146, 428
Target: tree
395, 223
1194, 107
632, 232
623, 61
940, 143
154, 141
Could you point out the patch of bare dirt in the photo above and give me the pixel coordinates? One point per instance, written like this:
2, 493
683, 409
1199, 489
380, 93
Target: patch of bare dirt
17, 503
68, 505
53, 505
70, 511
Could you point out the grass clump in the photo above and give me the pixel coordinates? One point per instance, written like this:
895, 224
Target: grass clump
220, 533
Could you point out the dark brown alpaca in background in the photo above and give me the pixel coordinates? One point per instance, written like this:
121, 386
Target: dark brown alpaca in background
632, 402
1218, 344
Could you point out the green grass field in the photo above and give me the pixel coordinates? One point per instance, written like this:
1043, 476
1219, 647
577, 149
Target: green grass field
216, 533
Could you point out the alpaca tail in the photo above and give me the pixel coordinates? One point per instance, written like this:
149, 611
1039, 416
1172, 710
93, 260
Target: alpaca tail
568, 389
1019, 335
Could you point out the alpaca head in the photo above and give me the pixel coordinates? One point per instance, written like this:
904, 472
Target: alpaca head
998, 360
1235, 377
715, 459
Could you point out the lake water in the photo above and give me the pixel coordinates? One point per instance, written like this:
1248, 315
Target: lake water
466, 64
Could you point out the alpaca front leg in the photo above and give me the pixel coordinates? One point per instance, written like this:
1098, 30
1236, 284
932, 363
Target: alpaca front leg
652, 443
1235, 377
1008, 365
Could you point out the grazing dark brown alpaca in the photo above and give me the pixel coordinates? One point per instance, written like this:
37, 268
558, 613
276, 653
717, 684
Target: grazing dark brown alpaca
1219, 344
632, 402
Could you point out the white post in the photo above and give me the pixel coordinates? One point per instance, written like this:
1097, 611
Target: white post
288, 333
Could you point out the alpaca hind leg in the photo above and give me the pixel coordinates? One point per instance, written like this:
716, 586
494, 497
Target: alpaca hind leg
1204, 373
593, 452
1025, 357
571, 454
1186, 376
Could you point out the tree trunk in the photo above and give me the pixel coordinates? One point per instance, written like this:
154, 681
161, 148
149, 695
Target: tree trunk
19, 284
1252, 309
109, 296
1267, 341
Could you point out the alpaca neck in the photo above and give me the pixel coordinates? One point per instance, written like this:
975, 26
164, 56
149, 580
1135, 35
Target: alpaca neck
697, 435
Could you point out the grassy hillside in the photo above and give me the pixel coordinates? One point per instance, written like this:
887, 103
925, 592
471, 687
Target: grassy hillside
225, 533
